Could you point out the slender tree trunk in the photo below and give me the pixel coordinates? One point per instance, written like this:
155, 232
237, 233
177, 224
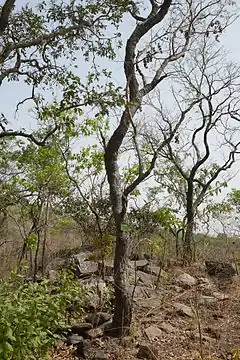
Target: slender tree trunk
123, 304
36, 257
45, 236
189, 238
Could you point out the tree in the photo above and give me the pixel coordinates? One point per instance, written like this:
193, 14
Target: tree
34, 43
189, 169
172, 30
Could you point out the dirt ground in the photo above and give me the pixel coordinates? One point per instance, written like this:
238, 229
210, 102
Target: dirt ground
212, 331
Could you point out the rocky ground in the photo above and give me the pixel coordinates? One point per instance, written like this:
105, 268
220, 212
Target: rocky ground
194, 314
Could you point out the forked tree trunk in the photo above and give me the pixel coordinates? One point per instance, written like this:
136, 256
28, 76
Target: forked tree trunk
123, 303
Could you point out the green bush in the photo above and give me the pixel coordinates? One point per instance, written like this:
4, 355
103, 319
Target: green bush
31, 313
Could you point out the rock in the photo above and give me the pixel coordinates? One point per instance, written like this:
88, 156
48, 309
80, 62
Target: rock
186, 280
81, 329
207, 299
95, 333
154, 270
98, 318
153, 332
140, 291
146, 279
101, 355
82, 256
88, 268
219, 269
53, 275
220, 296
74, 339
168, 328
139, 264
204, 338
108, 267
82, 267
147, 351
183, 309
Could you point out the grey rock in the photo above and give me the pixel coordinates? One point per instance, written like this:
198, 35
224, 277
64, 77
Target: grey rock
88, 268
74, 339
155, 270
220, 296
53, 275
153, 333
139, 264
222, 270
98, 318
82, 267
147, 351
168, 328
139, 292
183, 310
186, 280
207, 299
146, 279
101, 355
81, 329
108, 267
95, 333
82, 256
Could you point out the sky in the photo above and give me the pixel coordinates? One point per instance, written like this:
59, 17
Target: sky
9, 92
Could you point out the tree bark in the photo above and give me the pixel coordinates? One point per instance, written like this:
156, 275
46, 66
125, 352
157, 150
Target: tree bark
123, 305
189, 239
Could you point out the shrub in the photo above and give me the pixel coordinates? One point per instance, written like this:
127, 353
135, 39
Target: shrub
31, 313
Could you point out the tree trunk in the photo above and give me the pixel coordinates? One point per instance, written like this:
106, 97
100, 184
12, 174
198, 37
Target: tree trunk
188, 239
123, 304
36, 257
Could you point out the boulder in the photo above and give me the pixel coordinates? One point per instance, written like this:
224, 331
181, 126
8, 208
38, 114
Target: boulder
183, 310
81, 329
220, 296
220, 269
205, 300
74, 339
146, 279
139, 264
98, 318
139, 291
53, 275
155, 270
168, 328
108, 267
101, 355
186, 280
82, 267
95, 333
153, 333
